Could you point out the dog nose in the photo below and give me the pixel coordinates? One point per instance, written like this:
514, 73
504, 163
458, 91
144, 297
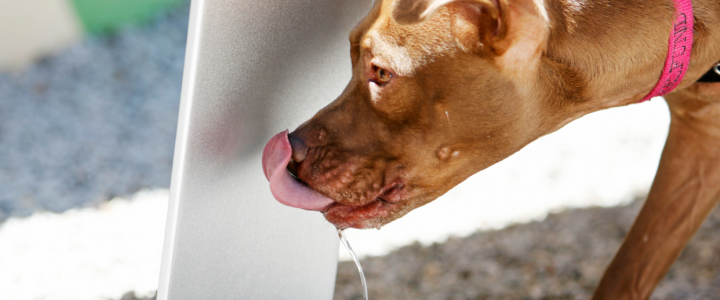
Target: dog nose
299, 149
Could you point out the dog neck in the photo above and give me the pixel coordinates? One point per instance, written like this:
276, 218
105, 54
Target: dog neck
616, 48
606, 44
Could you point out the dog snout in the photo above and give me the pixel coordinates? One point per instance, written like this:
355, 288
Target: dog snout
299, 148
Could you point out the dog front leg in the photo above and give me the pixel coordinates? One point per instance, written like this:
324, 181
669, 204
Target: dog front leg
685, 190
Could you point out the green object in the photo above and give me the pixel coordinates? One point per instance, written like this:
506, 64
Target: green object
100, 16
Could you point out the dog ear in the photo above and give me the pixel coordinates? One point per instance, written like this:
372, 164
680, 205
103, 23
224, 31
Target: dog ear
476, 23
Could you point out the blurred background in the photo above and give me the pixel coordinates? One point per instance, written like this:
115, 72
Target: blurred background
89, 97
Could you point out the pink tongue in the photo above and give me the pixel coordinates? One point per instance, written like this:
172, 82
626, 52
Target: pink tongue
283, 186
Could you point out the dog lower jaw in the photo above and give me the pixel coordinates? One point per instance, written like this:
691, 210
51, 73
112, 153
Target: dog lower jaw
366, 216
372, 214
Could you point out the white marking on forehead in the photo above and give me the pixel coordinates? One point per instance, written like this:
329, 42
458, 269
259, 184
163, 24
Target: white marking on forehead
434, 7
540, 7
389, 52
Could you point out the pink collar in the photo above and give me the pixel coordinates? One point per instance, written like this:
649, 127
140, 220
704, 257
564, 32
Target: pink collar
679, 48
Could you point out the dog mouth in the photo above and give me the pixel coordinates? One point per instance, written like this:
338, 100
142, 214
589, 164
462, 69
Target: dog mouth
360, 216
290, 190
372, 214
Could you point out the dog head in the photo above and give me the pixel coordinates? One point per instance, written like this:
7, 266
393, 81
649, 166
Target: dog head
441, 89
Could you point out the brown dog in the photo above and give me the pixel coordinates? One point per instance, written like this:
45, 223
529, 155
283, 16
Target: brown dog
442, 89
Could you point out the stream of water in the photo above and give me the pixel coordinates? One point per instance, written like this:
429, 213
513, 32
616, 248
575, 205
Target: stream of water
345, 243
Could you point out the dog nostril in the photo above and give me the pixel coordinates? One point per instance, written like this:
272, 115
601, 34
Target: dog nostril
299, 149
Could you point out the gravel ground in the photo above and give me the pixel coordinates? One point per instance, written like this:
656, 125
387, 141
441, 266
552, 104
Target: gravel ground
561, 257
94, 121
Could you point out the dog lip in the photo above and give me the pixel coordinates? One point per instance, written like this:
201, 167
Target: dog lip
389, 193
358, 216
365, 215
393, 192
349, 207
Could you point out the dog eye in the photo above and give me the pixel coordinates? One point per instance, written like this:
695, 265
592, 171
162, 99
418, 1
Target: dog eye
382, 76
